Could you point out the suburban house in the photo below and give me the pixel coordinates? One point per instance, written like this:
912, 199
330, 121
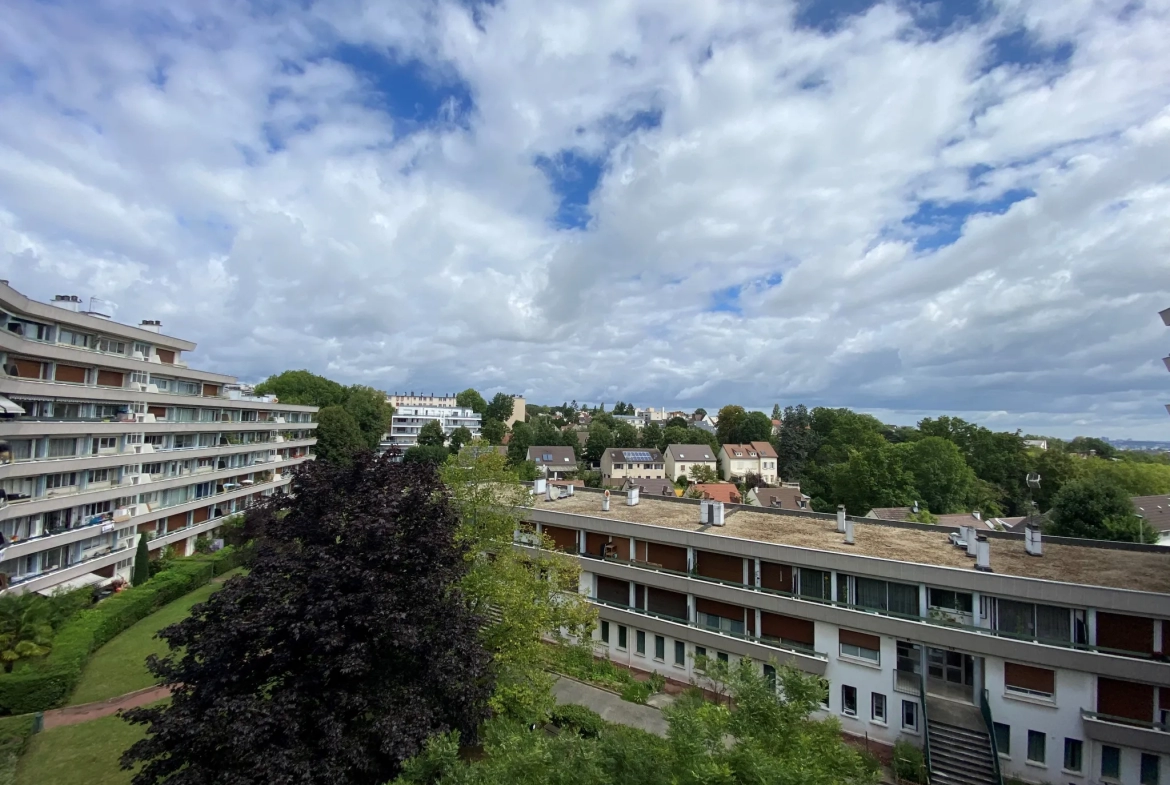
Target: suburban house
618, 463
1156, 511
786, 497
681, 457
757, 458
556, 461
663, 487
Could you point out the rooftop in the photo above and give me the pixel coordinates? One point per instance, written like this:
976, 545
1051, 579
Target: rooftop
1137, 570
691, 452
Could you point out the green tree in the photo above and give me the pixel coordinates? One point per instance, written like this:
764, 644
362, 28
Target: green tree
753, 427
1136, 479
370, 411
434, 454
941, 475
471, 399
519, 443
651, 437
796, 444
699, 413
625, 435
776, 415
303, 388
676, 422
141, 572
544, 432
600, 439
1055, 468
459, 437
727, 429
873, 477
338, 435
26, 628
493, 431
1092, 509
701, 474
431, 434
500, 408
1086, 444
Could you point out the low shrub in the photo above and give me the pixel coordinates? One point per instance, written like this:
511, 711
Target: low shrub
637, 692
14, 735
47, 682
909, 765
579, 719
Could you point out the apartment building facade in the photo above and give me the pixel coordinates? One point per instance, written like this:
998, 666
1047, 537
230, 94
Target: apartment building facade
1054, 658
107, 435
398, 400
620, 463
408, 421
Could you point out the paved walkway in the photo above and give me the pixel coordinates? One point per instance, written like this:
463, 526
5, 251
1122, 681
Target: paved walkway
610, 706
71, 715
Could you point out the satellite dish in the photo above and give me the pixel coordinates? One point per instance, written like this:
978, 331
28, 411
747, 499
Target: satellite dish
1033, 480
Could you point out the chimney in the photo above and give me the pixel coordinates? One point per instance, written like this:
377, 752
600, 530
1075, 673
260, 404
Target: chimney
972, 542
605, 502
840, 518
632, 496
540, 485
983, 557
716, 513
848, 532
70, 302
776, 502
548, 494
1032, 544
151, 325
569, 489
977, 515
704, 511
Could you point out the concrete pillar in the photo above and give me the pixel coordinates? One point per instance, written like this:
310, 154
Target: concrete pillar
633, 552
1091, 623
833, 586
923, 601
691, 608
759, 619
747, 578
580, 541
690, 559
633, 594
976, 610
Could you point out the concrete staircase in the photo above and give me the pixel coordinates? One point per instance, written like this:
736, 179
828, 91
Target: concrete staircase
960, 755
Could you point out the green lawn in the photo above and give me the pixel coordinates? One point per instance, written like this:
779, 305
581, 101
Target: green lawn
83, 754
120, 666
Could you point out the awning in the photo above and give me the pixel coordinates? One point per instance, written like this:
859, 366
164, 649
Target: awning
8, 407
80, 582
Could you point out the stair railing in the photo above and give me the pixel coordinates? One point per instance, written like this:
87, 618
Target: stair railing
985, 710
926, 728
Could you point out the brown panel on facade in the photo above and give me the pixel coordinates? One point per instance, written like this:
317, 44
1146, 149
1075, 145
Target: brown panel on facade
595, 543
621, 547
165, 356
1028, 677
670, 557
563, 539
72, 374
719, 566
26, 369
147, 528
176, 521
110, 378
105, 572
776, 626
613, 590
1125, 699
1129, 633
210, 390
640, 550
713, 608
668, 603
158, 411
776, 576
860, 639
202, 514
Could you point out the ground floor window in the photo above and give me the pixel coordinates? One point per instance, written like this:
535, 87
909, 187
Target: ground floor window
910, 715
877, 707
680, 653
1003, 739
1110, 762
1036, 746
623, 637
640, 642
1073, 752
1149, 773
605, 632
849, 700
659, 647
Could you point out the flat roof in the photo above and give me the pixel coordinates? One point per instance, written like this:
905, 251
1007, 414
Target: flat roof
1137, 570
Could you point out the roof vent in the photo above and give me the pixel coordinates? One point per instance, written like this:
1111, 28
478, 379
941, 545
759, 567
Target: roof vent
848, 532
1032, 544
151, 325
540, 485
632, 496
569, 489
840, 518
70, 302
983, 555
704, 511
972, 542
716, 513
605, 502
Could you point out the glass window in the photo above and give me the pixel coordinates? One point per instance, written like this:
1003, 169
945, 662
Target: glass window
62, 448
1015, 617
950, 600
814, 584
700, 651
1110, 762
824, 685
877, 707
1148, 775
605, 632
1036, 752
1003, 739
849, 650
63, 480
848, 700
1073, 750
770, 675
1053, 623
680, 653
99, 475
640, 642
659, 647
721, 656
910, 715
623, 637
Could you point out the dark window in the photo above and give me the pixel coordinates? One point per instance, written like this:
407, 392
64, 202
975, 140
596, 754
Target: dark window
814, 584
849, 700
659, 647
721, 656
1073, 751
824, 685
680, 653
1036, 751
877, 707
950, 600
1003, 739
910, 715
640, 642
770, 675
605, 631
1148, 775
1110, 762
700, 651
623, 637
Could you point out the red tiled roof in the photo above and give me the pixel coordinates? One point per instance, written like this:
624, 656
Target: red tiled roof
719, 491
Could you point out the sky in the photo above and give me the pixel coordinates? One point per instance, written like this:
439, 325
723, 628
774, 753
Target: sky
905, 207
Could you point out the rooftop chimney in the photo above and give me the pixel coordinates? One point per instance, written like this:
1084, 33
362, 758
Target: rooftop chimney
972, 543
841, 518
716, 513
632, 496
704, 511
1032, 544
548, 494
151, 325
605, 502
848, 532
977, 515
983, 556
70, 302
540, 485
569, 489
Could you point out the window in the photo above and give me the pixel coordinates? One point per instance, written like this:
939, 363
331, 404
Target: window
680, 653
947, 599
824, 685
142, 348
1043, 622
184, 387
910, 716
162, 383
640, 642
1073, 751
770, 675
110, 345
1036, 752
99, 475
1003, 739
1027, 680
105, 443
720, 623
1110, 762
659, 647
877, 707
152, 468
848, 700
70, 338
62, 448
814, 584
901, 598
623, 637
721, 656
700, 651
1148, 774
63, 480
849, 650
605, 632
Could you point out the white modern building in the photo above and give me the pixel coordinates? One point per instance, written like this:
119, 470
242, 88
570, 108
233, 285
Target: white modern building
1040, 660
409, 420
107, 435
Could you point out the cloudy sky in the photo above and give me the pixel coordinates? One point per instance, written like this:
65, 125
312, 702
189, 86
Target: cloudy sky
904, 207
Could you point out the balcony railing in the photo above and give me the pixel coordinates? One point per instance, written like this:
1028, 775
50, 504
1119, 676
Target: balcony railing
1160, 727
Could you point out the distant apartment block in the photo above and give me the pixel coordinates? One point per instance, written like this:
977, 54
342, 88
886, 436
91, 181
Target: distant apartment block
619, 463
106, 435
409, 420
755, 457
398, 400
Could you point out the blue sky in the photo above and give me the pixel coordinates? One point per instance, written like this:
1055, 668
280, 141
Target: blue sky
908, 207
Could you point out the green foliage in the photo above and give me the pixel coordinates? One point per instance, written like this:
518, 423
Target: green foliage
526, 471
651, 437
579, 719
939, 473
500, 408
600, 439
637, 692
366, 406
493, 431
754, 427
578, 661
370, 411
435, 454
459, 437
15, 733
519, 443
26, 629
47, 682
1133, 477
544, 432
909, 763
730, 418
677, 422
1084, 445
203, 544
431, 434
303, 388
338, 435
796, 444
1096, 509
471, 399
141, 573
625, 435
702, 474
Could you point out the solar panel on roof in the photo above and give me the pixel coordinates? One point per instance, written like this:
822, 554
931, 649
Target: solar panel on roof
636, 455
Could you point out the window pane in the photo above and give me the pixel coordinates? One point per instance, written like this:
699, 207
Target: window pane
1110, 762
1053, 624
659, 647
640, 640
680, 653
910, 715
813, 583
1036, 746
1003, 739
770, 675
605, 631
1016, 617
1072, 754
904, 599
849, 699
878, 706
1149, 771
871, 593
623, 637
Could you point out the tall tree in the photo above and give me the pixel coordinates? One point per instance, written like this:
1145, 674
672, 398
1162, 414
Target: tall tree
141, 573
459, 437
519, 443
651, 437
338, 435
544, 433
471, 399
434, 454
727, 429
600, 439
676, 422
500, 408
941, 476
303, 388
493, 431
431, 434
345, 647
776, 415
873, 477
1086, 444
796, 443
370, 411
699, 413
1093, 509
753, 427
625, 435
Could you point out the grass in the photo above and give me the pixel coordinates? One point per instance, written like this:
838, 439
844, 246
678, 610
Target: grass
83, 754
119, 667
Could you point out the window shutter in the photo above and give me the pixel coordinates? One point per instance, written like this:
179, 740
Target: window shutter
860, 639
1028, 677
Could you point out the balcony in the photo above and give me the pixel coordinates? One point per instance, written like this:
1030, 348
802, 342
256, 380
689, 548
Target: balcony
1125, 732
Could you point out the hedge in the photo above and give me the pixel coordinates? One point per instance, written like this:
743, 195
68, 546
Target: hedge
14, 736
41, 684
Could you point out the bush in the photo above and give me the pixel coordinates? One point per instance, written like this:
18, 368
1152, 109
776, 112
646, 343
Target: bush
47, 682
909, 764
637, 692
14, 735
579, 719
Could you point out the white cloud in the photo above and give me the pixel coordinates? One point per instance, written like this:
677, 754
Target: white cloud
222, 172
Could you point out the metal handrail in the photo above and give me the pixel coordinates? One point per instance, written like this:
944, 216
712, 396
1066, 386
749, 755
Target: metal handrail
925, 727
985, 710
